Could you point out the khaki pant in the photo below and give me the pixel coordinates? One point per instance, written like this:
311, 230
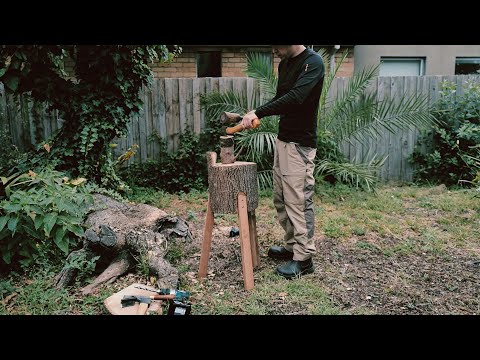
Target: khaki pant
293, 184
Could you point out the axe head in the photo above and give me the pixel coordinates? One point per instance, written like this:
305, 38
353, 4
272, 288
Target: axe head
130, 300
228, 118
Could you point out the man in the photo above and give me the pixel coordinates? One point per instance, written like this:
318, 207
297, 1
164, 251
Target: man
300, 80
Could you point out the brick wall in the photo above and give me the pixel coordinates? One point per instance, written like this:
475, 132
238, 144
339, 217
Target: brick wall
183, 66
346, 69
234, 61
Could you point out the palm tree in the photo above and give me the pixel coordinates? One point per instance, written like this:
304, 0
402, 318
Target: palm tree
354, 114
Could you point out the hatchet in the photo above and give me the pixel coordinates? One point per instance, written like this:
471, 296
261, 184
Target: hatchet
144, 301
228, 118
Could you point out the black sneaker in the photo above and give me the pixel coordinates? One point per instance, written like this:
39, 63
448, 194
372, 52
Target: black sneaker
279, 252
295, 268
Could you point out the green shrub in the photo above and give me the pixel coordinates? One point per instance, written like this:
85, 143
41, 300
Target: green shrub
83, 265
451, 147
37, 208
10, 155
183, 170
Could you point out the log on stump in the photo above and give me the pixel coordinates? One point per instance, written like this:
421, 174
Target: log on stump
126, 232
225, 181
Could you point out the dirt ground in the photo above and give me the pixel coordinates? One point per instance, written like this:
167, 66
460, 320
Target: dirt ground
358, 273
404, 250
417, 283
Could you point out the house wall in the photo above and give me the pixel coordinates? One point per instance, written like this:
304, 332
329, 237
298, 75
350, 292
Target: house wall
440, 59
234, 61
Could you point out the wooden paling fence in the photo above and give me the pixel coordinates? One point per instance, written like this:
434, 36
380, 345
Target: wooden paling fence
173, 105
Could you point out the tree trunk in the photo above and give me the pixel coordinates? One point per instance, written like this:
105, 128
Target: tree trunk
225, 181
128, 233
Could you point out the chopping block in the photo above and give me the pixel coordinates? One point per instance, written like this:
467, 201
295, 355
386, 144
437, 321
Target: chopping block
114, 305
233, 188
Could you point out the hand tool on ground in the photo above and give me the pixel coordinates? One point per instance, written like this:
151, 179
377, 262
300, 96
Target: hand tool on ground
178, 295
144, 301
228, 118
178, 308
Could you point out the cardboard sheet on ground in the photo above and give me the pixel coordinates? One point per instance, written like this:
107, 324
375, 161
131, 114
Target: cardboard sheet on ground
114, 305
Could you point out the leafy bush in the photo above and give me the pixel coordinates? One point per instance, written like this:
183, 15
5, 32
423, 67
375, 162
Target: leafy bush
10, 156
183, 170
83, 265
38, 208
452, 146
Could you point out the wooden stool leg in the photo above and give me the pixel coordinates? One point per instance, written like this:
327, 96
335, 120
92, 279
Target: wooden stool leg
207, 241
245, 241
252, 224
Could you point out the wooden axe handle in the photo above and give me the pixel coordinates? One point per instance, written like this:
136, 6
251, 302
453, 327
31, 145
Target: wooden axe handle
162, 297
239, 127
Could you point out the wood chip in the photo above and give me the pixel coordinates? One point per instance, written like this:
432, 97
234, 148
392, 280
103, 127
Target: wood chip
8, 298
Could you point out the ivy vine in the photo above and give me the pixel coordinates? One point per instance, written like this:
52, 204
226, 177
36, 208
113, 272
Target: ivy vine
95, 104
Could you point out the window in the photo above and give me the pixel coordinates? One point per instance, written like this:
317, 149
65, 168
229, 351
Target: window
465, 65
404, 66
209, 64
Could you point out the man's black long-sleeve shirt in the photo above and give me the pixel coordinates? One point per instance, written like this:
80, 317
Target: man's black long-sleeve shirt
300, 83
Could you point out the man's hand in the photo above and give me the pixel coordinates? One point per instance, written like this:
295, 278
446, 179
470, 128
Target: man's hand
248, 119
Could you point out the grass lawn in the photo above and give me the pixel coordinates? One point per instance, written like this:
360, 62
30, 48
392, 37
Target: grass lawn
404, 250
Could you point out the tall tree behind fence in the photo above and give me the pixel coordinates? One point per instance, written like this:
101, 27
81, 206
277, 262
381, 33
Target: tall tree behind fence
173, 105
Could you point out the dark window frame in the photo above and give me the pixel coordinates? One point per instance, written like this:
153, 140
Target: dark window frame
467, 60
214, 69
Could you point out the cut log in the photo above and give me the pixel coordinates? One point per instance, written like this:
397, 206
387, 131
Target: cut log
128, 233
227, 150
225, 181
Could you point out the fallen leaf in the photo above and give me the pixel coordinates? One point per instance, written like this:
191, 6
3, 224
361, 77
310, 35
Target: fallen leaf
78, 181
46, 147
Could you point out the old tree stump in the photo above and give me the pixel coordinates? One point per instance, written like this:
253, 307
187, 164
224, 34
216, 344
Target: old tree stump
123, 234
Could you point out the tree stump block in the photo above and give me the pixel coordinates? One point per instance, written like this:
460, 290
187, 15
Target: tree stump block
225, 181
233, 189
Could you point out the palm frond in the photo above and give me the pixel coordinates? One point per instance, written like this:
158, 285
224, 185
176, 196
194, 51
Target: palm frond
261, 69
329, 77
259, 142
358, 175
215, 103
352, 121
265, 179
393, 115
355, 87
325, 54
